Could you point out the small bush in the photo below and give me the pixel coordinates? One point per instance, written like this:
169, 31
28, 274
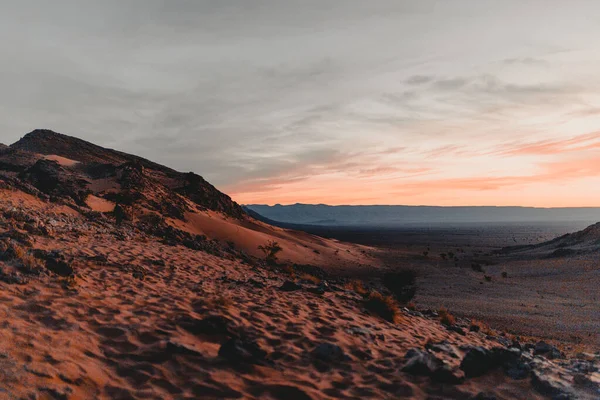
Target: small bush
478, 326
289, 271
488, 278
310, 278
445, 317
477, 267
383, 306
504, 274
402, 284
270, 250
357, 287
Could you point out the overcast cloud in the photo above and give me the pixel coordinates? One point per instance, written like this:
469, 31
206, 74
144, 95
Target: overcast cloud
278, 100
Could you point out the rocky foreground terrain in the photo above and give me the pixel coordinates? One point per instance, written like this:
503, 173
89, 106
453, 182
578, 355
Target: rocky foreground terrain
123, 279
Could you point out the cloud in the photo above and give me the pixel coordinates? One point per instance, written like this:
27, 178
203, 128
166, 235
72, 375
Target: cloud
579, 143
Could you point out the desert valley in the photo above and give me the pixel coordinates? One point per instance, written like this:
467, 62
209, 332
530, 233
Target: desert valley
124, 279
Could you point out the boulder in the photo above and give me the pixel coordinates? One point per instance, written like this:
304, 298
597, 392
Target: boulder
328, 352
242, 350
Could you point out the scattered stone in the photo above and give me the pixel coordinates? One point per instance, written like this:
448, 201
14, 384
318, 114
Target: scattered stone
242, 350
457, 329
445, 374
477, 362
547, 350
319, 289
420, 362
289, 286
423, 363
329, 353
442, 347
56, 262
551, 386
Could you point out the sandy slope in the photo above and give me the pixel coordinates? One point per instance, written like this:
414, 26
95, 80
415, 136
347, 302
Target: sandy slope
129, 325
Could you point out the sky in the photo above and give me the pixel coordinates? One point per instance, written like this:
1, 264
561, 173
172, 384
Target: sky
339, 102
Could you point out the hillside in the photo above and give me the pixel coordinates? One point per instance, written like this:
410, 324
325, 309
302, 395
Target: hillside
124, 279
57, 167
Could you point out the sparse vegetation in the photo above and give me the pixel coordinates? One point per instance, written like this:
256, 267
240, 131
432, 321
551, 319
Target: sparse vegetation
289, 271
477, 267
479, 326
487, 278
445, 317
310, 278
384, 306
402, 284
270, 250
357, 287
504, 274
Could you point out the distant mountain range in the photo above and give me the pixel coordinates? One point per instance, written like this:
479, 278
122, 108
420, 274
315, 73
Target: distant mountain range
325, 215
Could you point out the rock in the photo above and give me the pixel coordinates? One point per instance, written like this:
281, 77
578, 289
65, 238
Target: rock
544, 349
356, 330
213, 325
319, 289
329, 353
423, 363
445, 374
242, 350
477, 362
457, 329
583, 367
442, 347
420, 362
551, 386
517, 370
289, 286
59, 267
585, 381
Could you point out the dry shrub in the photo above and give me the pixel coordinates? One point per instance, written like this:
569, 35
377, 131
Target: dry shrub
219, 302
289, 270
504, 274
21, 258
30, 264
357, 287
69, 282
384, 306
270, 250
488, 278
402, 284
445, 317
310, 278
479, 326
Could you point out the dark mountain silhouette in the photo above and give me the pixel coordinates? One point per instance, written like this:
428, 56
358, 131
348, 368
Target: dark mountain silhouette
152, 185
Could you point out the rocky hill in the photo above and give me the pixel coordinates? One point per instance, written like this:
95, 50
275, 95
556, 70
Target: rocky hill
92, 163
582, 242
